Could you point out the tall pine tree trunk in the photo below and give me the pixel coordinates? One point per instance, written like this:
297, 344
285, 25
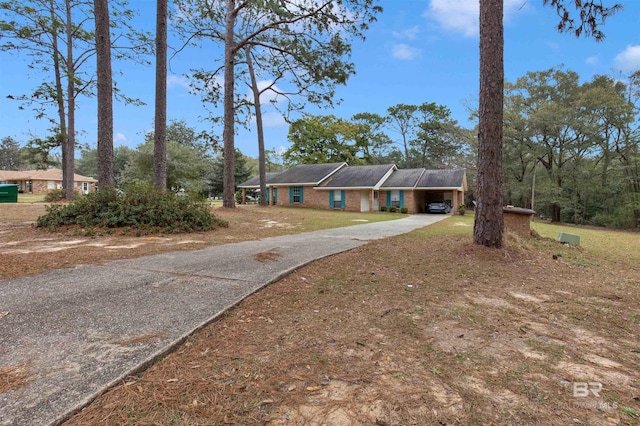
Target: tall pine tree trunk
160, 132
105, 95
62, 116
69, 142
256, 102
228, 134
489, 222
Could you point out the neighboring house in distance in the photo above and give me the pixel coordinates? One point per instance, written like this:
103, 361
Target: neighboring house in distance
43, 181
363, 188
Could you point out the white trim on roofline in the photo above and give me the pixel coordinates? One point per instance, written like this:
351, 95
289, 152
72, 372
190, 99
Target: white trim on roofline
385, 177
292, 184
415, 185
344, 188
440, 188
334, 171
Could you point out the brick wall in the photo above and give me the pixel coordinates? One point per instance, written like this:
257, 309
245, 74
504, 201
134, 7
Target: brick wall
42, 187
352, 201
409, 201
517, 223
310, 198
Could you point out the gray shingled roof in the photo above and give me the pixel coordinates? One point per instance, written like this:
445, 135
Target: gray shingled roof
403, 178
441, 179
306, 173
255, 181
358, 176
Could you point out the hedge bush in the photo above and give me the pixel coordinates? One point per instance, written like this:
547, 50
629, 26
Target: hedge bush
141, 207
393, 209
404, 210
54, 195
383, 208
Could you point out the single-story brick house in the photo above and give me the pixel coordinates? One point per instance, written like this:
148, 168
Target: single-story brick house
362, 188
43, 181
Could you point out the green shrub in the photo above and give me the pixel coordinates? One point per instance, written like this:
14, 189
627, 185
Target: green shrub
238, 197
404, 210
383, 208
462, 210
393, 209
140, 207
54, 195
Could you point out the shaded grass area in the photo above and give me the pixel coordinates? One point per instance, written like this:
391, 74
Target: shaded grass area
31, 198
424, 328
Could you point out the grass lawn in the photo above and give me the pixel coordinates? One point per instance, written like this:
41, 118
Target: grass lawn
31, 198
420, 329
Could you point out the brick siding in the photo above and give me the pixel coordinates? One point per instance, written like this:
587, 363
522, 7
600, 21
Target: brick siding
517, 223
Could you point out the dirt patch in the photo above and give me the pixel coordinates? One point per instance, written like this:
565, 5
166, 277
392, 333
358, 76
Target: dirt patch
410, 330
13, 377
139, 339
268, 256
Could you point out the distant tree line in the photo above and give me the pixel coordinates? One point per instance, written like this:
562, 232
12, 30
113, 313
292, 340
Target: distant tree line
193, 164
407, 135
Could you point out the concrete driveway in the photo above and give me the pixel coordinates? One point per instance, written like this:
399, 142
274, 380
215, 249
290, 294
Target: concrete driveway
76, 332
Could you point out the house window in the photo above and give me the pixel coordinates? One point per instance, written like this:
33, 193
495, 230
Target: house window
51, 184
297, 194
337, 199
395, 198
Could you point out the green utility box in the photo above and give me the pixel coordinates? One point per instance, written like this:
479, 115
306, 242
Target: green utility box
8, 193
563, 237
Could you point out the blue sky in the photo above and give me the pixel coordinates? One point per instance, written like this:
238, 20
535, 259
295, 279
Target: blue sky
418, 51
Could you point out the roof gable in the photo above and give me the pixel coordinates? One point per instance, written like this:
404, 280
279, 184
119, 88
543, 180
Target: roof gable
403, 178
358, 176
307, 174
255, 181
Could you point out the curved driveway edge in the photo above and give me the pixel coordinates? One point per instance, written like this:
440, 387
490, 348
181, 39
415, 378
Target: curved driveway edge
77, 332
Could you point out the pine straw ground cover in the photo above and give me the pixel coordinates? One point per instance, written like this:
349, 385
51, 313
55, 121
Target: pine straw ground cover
420, 329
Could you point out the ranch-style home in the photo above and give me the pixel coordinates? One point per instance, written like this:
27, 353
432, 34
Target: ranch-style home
361, 188
43, 181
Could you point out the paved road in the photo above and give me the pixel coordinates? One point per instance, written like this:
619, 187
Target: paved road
79, 331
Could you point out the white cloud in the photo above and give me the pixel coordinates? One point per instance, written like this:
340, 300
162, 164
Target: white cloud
409, 34
405, 52
592, 60
119, 138
629, 59
281, 150
462, 16
177, 81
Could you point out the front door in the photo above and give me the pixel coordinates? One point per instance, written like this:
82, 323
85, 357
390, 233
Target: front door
376, 201
364, 201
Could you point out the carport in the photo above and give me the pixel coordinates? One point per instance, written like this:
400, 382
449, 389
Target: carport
440, 185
